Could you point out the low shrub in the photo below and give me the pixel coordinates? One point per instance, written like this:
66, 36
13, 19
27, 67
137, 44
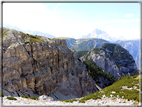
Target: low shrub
27, 42
24, 96
33, 37
70, 100
1, 95
11, 98
33, 98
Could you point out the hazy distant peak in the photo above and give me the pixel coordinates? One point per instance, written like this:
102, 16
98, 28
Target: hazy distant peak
97, 33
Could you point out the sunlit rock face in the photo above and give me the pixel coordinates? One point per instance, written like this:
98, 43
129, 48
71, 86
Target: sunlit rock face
47, 67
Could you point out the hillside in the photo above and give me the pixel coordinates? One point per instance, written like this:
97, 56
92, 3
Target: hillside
126, 88
101, 77
123, 91
133, 46
88, 43
113, 59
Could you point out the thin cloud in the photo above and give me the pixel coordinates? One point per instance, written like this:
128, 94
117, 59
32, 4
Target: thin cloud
56, 7
129, 15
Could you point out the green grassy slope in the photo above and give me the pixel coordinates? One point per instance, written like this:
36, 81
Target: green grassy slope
129, 81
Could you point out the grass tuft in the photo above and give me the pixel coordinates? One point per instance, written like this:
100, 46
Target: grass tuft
11, 98
24, 96
70, 100
33, 98
1, 95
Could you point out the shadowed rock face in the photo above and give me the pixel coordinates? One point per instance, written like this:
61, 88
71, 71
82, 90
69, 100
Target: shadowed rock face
113, 59
133, 46
43, 68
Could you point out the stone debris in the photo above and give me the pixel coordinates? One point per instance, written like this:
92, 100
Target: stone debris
44, 97
111, 95
113, 92
44, 100
126, 87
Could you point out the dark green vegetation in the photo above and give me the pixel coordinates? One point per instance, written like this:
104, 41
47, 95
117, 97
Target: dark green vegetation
33, 38
1, 95
11, 98
96, 50
33, 98
129, 81
27, 42
95, 71
117, 52
24, 96
70, 100
4, 34
81, 53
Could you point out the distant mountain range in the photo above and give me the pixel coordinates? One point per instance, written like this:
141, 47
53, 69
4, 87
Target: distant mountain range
133, 46
30, 31
97, 33
84, 44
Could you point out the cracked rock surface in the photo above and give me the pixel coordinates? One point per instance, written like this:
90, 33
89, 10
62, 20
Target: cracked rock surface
42, 68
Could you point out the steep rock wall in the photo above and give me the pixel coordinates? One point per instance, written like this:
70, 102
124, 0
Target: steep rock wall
43, 68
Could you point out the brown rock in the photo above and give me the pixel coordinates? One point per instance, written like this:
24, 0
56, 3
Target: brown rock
43, 68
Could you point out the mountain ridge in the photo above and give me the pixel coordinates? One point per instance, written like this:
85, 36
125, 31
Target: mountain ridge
113, 59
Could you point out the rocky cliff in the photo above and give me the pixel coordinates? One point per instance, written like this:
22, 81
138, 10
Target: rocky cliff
113, 59
35, 65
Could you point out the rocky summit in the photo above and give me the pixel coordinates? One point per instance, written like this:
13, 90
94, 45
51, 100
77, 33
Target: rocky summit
113, 59
35, 65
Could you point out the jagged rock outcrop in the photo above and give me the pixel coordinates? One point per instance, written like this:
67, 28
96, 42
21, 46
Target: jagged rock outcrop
34, 65
113, 59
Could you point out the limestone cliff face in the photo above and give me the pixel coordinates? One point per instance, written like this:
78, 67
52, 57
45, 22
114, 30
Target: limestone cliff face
113, 59
34, 65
